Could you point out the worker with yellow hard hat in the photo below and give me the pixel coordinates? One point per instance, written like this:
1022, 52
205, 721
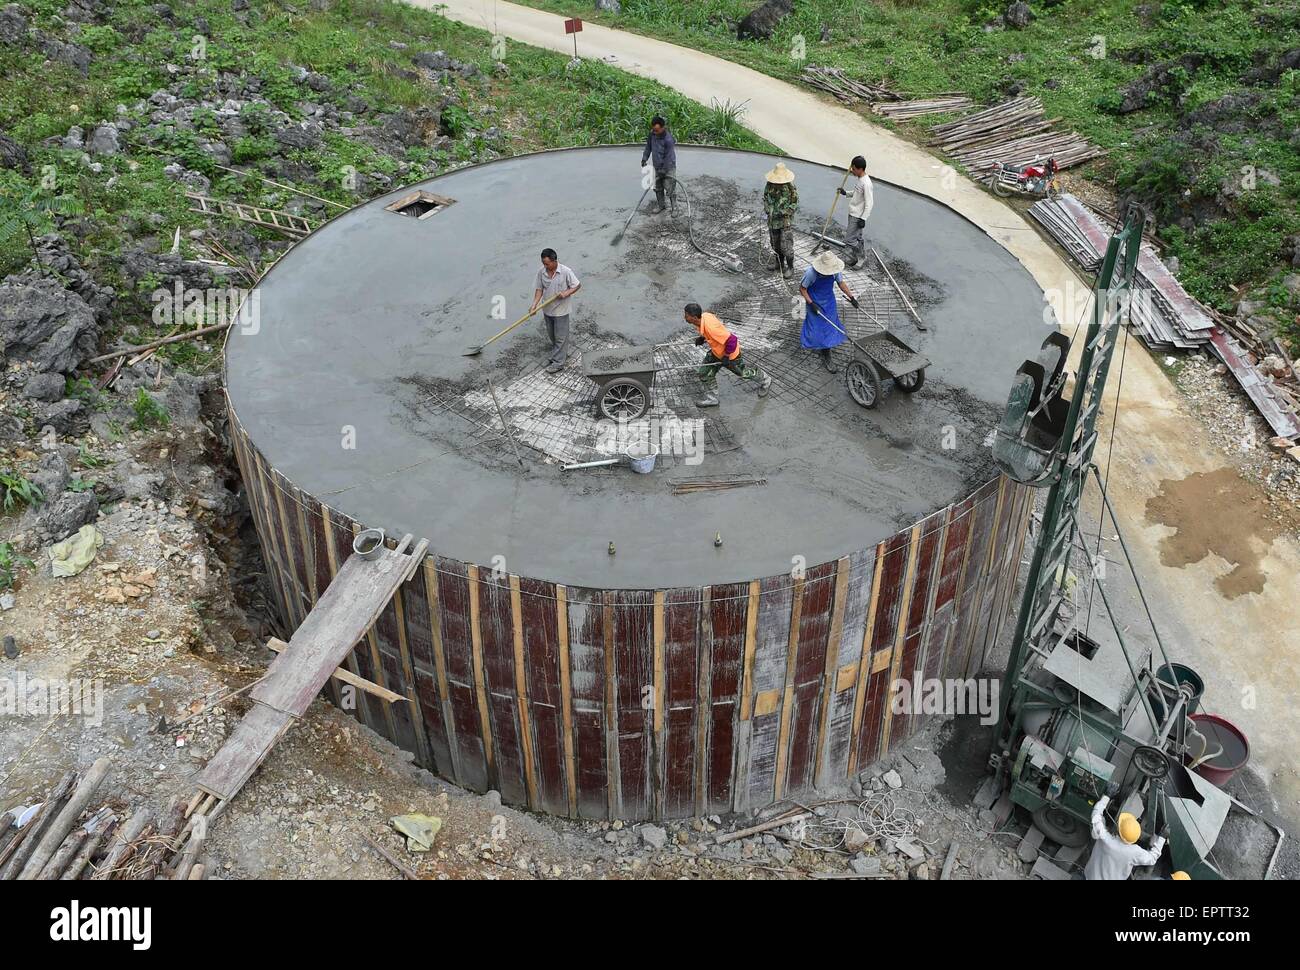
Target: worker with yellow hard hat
1115, 856
1180, 875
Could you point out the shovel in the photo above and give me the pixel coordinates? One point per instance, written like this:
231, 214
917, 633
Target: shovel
475, 351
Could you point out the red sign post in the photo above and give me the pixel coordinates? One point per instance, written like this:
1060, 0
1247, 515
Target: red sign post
574, 26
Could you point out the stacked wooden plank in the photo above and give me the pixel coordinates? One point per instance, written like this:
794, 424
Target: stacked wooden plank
844, 88
915, 107
1164, 315
1016, 133
1274, 402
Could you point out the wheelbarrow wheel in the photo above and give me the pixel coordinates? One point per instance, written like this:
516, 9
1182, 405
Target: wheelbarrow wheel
910, 382
863, 381
624, 399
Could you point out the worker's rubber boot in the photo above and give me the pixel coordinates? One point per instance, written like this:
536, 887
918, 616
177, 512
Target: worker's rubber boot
764, 387
787, 269
555, 366
707, 400
828, 361
773, 262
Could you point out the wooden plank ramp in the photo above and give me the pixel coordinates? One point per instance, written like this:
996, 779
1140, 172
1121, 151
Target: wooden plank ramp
336, 624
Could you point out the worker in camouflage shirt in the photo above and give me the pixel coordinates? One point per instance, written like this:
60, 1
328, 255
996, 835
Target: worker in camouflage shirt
780, 202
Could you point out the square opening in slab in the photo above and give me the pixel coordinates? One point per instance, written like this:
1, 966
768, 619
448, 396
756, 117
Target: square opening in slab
419, 205
1082, 644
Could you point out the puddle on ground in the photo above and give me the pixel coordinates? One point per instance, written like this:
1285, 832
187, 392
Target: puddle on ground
1215, 512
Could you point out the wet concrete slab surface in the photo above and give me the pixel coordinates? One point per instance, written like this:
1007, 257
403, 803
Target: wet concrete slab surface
355, 386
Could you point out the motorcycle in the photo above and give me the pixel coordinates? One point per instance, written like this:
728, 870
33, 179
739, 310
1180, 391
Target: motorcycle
1035, 181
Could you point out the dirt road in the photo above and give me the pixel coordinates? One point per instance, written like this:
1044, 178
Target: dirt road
1244, 641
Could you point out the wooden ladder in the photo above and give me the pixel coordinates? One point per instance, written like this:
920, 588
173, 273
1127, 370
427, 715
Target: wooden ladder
293, 226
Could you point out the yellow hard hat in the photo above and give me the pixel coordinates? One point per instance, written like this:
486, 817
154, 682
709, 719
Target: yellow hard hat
1180, 875
1129, 829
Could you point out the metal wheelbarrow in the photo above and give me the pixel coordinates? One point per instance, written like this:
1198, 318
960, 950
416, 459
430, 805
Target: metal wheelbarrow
624, 377
879, 352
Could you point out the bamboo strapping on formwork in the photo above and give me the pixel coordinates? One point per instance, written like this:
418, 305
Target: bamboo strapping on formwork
740, 670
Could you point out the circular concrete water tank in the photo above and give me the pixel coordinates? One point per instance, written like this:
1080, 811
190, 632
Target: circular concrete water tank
709, 637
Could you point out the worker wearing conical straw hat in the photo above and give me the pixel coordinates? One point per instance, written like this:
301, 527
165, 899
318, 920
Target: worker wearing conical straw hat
822, 329
780, 202
1116, 855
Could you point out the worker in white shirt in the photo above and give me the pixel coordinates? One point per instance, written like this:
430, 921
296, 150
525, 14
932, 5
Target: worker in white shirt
860, 202
1116, 856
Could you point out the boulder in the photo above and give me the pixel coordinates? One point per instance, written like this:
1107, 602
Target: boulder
306, 134
74, 55
761, 22
52, 476
433, 60
1271, 72
13, 24
44, 387
1165, 80
1018, 15
12, 154
653, 836
66, 514
104, 141
609, 6
68, 418
45, 323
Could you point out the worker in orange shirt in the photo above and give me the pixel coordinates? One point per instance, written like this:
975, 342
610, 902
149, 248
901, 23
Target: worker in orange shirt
724, 351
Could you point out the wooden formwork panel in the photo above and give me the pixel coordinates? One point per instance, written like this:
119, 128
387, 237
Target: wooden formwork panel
496, 671
658, 703
727, 617
631, 630
420, 616
841, 691
586, 619
682, 692
806, 670
544, 686
886, 622
467, 745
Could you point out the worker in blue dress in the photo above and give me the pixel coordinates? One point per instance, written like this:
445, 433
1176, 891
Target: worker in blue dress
822, 330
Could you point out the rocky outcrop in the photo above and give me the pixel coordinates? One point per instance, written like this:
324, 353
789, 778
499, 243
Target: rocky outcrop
760, 23
47, 324
13, 25
12, 154
1018, 15
1164, 81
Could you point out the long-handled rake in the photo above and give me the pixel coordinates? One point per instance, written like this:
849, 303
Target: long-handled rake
475, 351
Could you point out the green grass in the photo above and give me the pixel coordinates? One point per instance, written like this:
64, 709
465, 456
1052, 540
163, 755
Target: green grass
10, 563
923, 47
17, 493
540, 103
149, 414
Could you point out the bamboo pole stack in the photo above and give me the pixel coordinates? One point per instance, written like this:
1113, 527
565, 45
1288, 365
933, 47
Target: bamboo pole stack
845, 89
915, 107
65, 840
1016, 133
